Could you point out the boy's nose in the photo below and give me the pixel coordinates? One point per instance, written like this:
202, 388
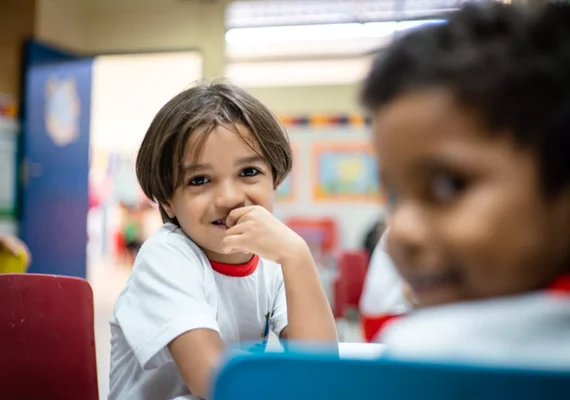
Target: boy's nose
229, 196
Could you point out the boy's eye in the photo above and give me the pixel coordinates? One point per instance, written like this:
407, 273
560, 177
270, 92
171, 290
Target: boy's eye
445, 187
198, 181
249, 171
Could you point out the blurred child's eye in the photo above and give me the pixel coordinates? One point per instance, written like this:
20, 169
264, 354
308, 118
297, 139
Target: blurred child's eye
249, 171
447, 187
198, 181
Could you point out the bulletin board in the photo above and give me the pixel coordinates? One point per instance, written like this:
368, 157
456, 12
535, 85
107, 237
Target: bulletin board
317, 134
344, 172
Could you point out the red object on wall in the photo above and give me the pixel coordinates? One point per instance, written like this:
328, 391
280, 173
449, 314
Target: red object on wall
320, 233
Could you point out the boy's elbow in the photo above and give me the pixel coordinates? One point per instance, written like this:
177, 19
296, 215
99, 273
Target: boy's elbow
197, 355
202, 391
320, 338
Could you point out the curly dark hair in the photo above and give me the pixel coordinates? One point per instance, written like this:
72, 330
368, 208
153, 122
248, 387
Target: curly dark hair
511, 64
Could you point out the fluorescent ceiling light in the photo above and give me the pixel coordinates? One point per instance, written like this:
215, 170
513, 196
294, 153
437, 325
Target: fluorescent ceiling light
305, 33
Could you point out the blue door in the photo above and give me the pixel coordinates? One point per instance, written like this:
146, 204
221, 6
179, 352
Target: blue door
55, 164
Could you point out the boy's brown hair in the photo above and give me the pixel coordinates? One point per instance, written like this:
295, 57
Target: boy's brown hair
199, 110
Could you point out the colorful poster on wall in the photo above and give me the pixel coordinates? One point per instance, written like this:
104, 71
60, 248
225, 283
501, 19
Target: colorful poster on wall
345, 172
8, 157
286, 192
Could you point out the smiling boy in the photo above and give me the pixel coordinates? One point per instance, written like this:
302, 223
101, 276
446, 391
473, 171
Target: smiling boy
222, 271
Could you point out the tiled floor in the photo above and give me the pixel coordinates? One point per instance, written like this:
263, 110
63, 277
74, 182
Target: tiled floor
107, 281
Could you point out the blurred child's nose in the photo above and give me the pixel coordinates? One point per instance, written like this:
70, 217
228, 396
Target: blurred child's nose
229, 195
408, 233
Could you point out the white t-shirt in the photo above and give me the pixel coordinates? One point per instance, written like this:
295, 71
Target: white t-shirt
531, 330
173, 288
382, 292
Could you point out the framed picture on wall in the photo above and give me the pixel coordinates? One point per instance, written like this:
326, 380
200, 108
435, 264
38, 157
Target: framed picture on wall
287, 190
345, 172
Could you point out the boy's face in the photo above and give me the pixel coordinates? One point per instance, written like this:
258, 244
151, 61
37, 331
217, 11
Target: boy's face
227, 174
467, 219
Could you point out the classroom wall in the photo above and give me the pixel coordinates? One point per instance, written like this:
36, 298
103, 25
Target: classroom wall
16, 25
309, 99
110, 27
106, 26
60, 23
158, 26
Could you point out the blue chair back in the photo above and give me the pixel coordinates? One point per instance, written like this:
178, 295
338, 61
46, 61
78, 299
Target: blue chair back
287, 376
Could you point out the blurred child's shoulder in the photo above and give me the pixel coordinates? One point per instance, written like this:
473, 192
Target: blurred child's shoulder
529, 329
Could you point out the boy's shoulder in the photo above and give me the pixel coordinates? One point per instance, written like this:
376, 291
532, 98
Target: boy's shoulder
265, 263
170, 238
167, 256
270, 269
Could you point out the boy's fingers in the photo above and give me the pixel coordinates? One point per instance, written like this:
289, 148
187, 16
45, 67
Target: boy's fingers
234, 243
238, 228
237, 213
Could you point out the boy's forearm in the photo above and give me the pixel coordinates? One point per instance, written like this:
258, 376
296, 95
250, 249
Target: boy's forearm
309, 313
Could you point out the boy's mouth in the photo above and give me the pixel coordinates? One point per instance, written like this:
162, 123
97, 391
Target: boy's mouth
220, 223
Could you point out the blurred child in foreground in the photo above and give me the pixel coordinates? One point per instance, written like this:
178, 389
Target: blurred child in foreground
472, 125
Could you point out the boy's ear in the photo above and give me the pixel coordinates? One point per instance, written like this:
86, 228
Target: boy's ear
168, 209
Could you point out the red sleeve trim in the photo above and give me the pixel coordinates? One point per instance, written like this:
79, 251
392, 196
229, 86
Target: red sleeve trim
561, 285
372, 326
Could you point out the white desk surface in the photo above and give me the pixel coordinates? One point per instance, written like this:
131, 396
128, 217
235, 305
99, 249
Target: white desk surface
360, 350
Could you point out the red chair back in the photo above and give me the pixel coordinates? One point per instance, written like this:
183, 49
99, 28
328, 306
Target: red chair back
352, 270
47, 341
339, 298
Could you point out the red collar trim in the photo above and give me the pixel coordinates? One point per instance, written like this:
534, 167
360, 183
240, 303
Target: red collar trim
236, 270
560, 285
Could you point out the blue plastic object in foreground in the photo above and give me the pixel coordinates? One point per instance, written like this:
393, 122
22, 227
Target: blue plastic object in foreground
299, 376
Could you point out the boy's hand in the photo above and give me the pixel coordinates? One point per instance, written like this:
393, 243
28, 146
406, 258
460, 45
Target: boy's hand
15, 246
254, 229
